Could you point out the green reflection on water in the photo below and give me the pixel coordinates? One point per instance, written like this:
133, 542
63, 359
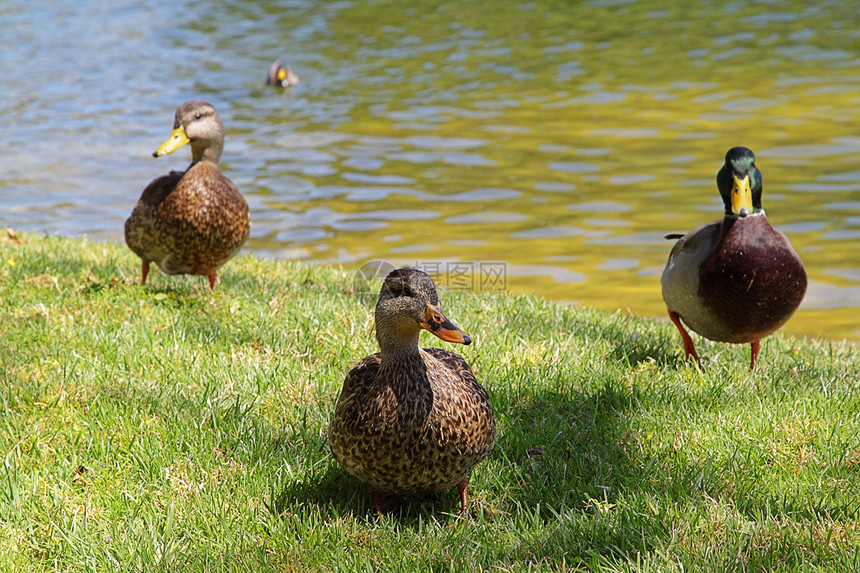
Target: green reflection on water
565, 139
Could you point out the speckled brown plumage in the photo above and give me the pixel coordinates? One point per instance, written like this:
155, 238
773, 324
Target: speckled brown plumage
412, 420
190, 222
739, 279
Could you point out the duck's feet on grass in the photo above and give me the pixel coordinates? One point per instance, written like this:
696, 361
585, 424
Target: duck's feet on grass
754, 353
689, 349
462, 487
377, 500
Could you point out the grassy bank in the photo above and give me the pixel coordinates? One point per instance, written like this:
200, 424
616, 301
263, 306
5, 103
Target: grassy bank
174, 428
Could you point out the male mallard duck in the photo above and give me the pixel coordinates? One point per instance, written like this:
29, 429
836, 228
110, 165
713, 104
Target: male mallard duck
280, 76
412, 420
190, 222
736, 280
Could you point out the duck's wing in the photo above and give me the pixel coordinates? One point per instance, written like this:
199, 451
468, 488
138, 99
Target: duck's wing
698, 243
160, 187
453, 363
361, 375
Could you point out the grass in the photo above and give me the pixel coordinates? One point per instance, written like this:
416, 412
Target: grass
174, 428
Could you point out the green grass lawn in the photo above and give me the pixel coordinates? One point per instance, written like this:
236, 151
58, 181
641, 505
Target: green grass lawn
174, 428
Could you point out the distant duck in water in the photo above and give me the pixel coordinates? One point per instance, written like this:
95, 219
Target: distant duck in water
190, 222
281, 76
739, 279
412, 420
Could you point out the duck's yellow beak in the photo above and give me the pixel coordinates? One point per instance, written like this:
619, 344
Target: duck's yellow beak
437, 323
282, 73
741, 196
176, 140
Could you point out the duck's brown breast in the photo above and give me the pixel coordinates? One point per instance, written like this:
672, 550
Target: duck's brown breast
195, 227
420, 433
753, 282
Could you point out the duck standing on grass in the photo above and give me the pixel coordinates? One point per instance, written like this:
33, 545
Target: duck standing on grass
739, 279
412, 420
190, 222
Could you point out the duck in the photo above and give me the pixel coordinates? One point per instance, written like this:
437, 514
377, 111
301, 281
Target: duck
412, 420
737, 280
281, 76
192, 221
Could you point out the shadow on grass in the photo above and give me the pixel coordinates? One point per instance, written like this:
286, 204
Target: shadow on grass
331, 489
553, 453
639, 340
570, 481
562, 462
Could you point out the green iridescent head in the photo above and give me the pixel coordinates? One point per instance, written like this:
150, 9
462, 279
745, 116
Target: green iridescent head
739, 182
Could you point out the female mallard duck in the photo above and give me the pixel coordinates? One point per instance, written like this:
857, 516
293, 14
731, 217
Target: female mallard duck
281, 76
412, 420
736, 280
190, 222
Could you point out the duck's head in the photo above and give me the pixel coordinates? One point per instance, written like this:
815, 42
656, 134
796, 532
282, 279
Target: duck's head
408, 303
196, 122
278, 75
739, 182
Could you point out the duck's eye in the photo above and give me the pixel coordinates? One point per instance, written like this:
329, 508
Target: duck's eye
393, 291
198, 115
407, 291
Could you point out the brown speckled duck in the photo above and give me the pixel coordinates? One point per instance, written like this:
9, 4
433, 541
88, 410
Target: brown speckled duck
412, 420
281, 76
739, 279
190, 222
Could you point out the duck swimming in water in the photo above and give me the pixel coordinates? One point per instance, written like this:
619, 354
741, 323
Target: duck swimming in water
281, 76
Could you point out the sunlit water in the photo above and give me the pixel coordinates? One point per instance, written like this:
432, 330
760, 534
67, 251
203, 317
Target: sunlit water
543, 146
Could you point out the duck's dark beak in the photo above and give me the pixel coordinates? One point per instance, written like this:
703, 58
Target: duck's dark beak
176, 140
741, 196
437, 323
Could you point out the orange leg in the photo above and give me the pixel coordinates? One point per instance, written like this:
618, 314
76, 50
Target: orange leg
377, 500
212, 281
754, 353
145, 271
689, 349
461, 487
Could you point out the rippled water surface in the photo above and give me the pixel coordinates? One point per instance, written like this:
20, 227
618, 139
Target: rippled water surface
546, 146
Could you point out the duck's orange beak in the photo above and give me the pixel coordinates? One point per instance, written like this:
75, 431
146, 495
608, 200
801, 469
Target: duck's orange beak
176, 140
437, 323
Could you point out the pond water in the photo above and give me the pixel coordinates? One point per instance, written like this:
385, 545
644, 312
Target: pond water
545, 146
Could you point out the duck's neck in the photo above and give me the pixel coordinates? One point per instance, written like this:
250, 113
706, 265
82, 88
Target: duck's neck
398, 343
206, 152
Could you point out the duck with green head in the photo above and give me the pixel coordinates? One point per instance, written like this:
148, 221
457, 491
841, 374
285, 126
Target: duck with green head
192, 221
409, 419
739, 279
